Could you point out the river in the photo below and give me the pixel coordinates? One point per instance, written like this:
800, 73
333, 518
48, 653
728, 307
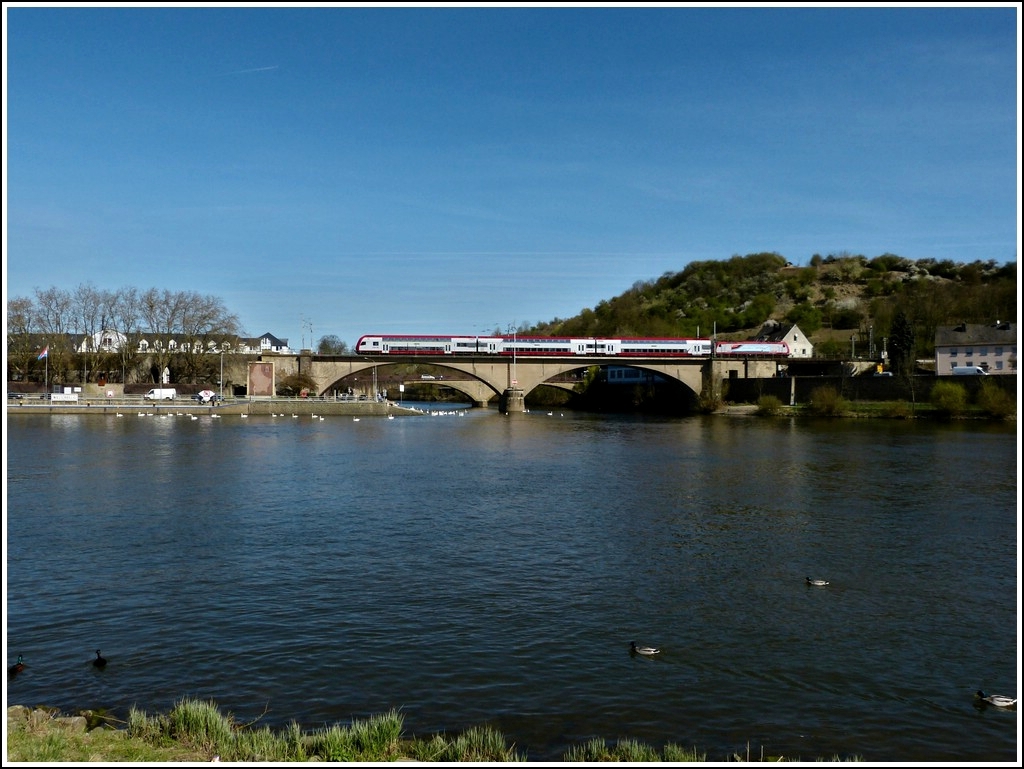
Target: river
473, 568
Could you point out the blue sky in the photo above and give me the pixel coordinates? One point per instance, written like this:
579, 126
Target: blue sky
346, 170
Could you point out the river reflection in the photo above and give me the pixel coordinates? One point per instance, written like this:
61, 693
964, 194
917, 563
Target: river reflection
487, 569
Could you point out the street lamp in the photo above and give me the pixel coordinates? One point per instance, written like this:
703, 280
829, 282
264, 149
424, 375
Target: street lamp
222, 376
515, 380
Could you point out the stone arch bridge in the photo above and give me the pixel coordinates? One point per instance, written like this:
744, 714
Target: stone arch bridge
483, 377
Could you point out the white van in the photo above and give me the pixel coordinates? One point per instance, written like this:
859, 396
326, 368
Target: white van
969, 371
161, 394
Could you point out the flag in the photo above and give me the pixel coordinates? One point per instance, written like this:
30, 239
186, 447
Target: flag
44, 353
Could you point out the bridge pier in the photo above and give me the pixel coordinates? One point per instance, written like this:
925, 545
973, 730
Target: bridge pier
512, 401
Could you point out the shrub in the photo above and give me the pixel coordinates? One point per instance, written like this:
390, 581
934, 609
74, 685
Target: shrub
995, 401
768, 406
949, 398
826, 402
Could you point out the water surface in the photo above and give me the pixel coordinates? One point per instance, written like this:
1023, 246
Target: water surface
487, 569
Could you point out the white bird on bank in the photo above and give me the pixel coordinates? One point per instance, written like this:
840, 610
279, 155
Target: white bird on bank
997, 699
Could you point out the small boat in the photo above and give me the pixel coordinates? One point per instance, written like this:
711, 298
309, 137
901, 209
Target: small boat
996, 699
817, 582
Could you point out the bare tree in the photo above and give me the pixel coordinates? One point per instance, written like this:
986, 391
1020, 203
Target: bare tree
88, 321
205, 324
160, 312
331, 345
125, 322
20, 315
53, 317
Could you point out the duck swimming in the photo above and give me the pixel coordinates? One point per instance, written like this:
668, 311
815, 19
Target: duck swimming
16, 668
992, 699
817, 582
99, 662
648, 650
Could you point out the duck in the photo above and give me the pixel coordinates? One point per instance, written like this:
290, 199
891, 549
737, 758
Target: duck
992, 699
648, 650
100, 662
16, 668
817, 582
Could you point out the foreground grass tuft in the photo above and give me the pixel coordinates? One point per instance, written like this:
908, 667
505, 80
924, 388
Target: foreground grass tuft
196, 731
480, 743
630, 751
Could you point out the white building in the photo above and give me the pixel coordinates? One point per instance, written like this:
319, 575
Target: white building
799, 345
992, 348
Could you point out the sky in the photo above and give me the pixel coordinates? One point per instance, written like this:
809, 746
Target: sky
347, 170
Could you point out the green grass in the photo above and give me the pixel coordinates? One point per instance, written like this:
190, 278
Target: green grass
625, 751
195, 730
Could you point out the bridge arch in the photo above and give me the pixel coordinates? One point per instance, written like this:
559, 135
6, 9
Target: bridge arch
496, 375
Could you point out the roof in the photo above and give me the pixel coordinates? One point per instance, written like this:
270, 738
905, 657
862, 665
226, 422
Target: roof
274, 341
773, 331
976, 333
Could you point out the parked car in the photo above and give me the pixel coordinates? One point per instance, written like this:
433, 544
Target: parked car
15, 396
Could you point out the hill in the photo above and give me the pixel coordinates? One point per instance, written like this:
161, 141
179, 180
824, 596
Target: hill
831, 299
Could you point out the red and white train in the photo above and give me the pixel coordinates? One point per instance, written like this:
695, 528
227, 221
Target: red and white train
397, 344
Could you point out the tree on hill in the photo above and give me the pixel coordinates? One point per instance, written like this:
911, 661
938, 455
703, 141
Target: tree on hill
839, 291
901, 345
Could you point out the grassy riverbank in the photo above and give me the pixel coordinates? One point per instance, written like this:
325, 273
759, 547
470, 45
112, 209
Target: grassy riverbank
197, 731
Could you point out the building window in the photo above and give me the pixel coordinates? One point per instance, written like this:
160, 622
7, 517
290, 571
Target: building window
969, 351
952, 352
999, 365
999, 351
983, 351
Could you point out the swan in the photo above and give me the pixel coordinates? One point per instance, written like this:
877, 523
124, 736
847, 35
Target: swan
634, 649
992, 699
817, 582
99, 662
